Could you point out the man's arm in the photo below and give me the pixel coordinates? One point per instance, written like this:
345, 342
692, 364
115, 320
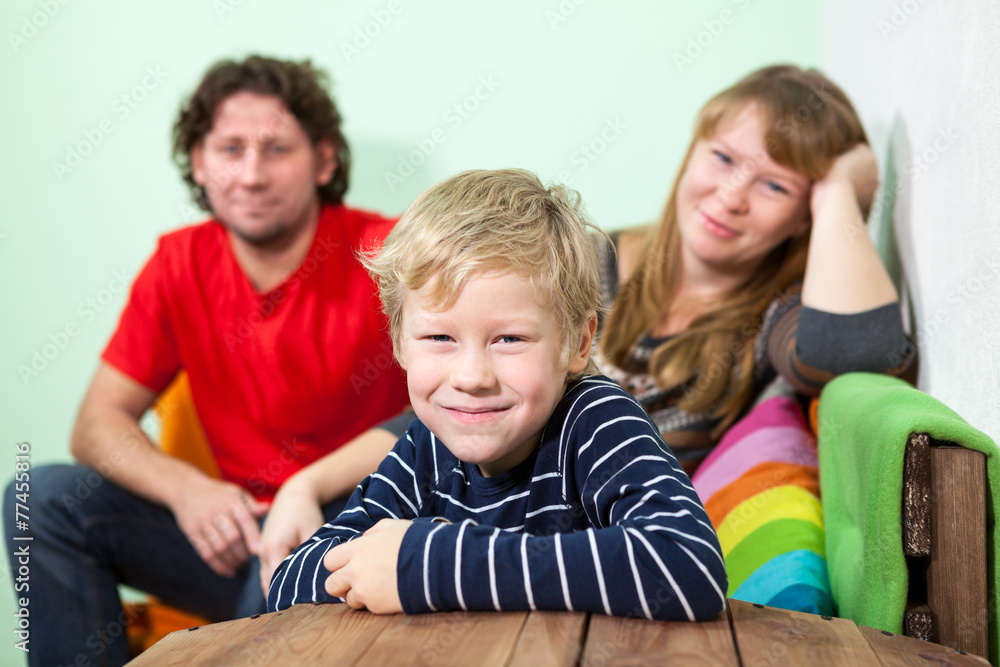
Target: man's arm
219, 518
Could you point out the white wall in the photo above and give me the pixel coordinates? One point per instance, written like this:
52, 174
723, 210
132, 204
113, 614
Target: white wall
925, 76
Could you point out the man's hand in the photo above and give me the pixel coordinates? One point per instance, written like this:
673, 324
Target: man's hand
363, 571
220, 520
294, 516
857, 169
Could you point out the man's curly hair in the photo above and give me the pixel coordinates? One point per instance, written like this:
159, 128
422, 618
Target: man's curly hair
302, 88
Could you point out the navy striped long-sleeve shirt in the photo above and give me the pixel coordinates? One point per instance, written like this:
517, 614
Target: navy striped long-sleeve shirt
600, 518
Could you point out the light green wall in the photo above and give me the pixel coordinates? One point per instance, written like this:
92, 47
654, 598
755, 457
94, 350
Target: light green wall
564, 73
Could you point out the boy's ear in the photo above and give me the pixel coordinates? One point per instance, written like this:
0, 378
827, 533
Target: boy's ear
578, 360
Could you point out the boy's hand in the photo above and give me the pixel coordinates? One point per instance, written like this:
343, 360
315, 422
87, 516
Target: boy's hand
363, 571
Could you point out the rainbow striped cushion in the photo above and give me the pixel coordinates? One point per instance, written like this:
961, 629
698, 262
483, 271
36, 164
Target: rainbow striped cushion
761, 489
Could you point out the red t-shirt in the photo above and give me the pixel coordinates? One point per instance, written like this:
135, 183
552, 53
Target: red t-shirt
278, 379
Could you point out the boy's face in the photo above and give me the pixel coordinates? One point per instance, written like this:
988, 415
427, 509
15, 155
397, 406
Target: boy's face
485, 374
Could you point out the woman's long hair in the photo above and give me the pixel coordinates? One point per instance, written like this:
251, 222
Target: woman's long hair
808, 122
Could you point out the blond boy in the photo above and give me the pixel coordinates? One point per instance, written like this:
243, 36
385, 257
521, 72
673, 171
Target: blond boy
525, 482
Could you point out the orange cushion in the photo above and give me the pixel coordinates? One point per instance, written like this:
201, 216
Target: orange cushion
181, 433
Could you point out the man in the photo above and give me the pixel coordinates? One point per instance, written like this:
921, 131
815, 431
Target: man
279, 330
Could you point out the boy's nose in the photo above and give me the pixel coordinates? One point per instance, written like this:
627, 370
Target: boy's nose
472, 372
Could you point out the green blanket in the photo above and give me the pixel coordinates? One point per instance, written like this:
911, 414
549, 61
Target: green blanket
864, 422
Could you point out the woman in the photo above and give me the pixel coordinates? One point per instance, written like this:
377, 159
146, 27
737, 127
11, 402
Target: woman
759, 265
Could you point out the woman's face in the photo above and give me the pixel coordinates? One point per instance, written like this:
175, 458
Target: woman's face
734, 203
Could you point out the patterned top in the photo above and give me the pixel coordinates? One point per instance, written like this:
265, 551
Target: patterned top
600, 518
804, 346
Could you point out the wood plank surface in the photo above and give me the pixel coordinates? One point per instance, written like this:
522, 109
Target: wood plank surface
747, 635
771, 636
302, 635
956, 576
899, 651
447, 638
550, 638
631, 641
202, 645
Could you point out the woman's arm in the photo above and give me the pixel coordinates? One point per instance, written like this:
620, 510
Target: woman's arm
847, 317
810, 347
844, 273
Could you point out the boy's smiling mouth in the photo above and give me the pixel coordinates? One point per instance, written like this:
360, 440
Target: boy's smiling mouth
475, 414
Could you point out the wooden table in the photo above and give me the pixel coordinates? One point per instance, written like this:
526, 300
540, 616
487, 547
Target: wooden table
746, 635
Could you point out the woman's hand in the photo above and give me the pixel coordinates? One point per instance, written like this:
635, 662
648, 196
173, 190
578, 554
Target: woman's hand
295, 515
844, 273
856, 169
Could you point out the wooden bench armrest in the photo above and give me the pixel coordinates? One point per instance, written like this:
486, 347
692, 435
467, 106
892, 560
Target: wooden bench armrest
944, 540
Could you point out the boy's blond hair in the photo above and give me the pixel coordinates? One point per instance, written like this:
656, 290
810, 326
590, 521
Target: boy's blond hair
493, 221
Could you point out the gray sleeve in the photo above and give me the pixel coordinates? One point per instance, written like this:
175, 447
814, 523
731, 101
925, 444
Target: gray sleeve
872, 340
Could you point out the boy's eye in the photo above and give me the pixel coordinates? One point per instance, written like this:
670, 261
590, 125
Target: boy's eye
439, 338
510, 339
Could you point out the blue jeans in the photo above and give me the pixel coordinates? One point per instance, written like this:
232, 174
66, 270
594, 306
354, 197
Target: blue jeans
88, 536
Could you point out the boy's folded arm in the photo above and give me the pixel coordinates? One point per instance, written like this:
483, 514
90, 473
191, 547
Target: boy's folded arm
641, 569
650, 551
301, 576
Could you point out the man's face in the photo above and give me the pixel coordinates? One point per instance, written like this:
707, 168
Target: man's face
261, 171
